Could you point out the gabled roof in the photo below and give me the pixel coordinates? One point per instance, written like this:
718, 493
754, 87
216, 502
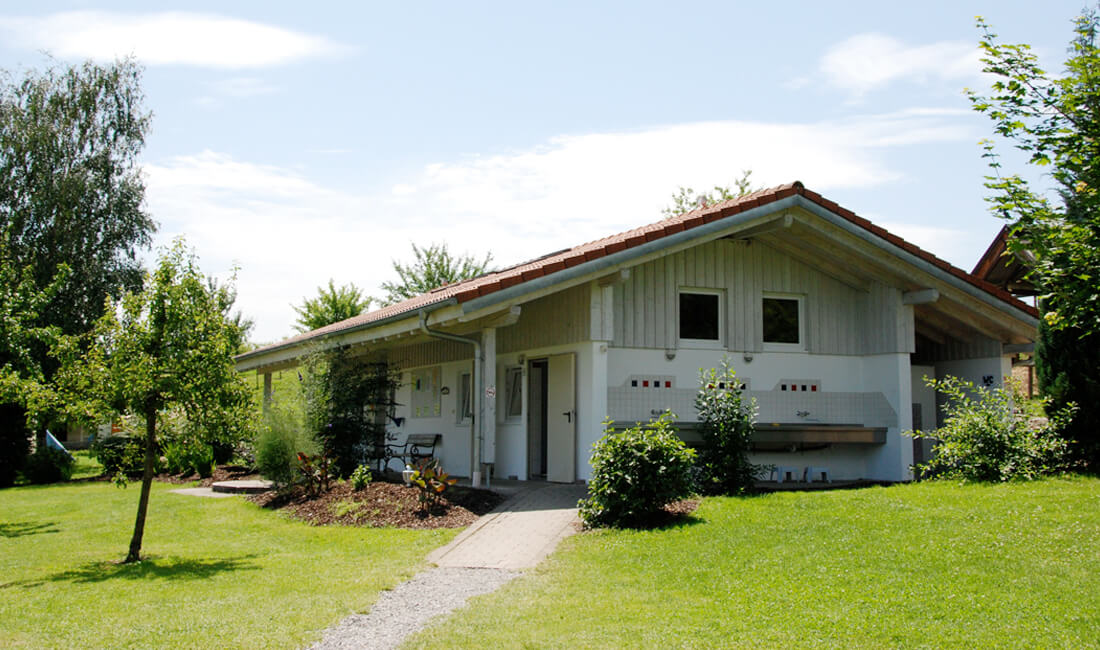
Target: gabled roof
1005, 269
497, 281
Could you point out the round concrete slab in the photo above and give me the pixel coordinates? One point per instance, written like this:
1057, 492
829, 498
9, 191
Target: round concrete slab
252, 486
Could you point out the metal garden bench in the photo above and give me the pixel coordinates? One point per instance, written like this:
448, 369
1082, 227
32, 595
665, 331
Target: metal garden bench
415, 447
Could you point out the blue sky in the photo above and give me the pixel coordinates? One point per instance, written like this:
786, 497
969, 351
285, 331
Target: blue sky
308, 141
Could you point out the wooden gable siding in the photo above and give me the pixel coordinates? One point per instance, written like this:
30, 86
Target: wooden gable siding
838, 319
429, 354
956, 350
557, 319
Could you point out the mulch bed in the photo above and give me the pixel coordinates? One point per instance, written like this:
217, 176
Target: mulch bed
381, 504
222, 473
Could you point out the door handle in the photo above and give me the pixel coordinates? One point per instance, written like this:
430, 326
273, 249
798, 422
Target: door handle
568, 416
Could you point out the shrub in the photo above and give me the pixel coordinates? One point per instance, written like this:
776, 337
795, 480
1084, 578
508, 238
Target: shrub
316, 472
121, 456
15, 442
360, 478
186, 456
994, 434
278, 442
346, 401
635, 473
48, 465
1066, 362
431, 482
726, 423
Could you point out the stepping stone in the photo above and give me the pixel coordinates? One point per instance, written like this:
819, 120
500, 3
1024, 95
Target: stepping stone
202, 492
253, 486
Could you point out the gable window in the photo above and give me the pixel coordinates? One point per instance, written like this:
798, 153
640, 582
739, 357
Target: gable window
782, 324
700, 317
513, 392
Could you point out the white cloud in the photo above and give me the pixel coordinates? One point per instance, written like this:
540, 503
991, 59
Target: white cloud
291, 234
244, 87
167, 38
867, 61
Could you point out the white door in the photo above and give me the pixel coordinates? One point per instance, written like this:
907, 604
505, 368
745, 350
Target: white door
561, 420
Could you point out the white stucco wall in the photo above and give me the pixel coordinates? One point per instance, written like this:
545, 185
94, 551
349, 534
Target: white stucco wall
890, 373
847, 384
978, 370
511, 442
455, 454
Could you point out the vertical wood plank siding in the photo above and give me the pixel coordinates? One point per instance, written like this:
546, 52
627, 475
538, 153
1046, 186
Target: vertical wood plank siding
429, 354
838, 319
980, 348
557, 319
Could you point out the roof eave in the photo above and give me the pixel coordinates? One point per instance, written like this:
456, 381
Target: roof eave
254, 359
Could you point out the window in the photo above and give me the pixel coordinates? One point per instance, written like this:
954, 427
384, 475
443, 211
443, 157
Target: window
513, 392
465, 398
782, 320
700, 316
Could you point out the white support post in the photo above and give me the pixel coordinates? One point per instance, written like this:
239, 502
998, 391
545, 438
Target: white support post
267, 391
488, 414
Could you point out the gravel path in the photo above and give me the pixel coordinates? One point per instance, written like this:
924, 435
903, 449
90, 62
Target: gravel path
410, 605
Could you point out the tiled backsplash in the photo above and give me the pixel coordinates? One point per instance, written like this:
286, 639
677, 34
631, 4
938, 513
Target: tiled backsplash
634, 404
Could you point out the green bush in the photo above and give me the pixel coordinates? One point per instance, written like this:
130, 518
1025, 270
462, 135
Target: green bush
346, 400
187, 456
635, 473
120, 456
994, 434
726, 424
281, 437
182, 449
15, 443
1066, 363
48, 465
361, 478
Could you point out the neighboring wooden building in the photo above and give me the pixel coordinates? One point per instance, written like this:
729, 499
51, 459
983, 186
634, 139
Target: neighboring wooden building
1009, 271
830, 321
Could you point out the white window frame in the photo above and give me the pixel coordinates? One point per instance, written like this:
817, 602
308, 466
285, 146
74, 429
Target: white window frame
465, 383
718, 343
509, 373
785, 347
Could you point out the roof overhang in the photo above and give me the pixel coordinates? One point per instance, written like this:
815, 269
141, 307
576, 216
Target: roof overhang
797, 221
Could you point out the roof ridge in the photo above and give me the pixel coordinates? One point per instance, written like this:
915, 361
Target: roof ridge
550, 263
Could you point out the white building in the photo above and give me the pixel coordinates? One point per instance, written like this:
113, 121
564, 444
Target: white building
830, 321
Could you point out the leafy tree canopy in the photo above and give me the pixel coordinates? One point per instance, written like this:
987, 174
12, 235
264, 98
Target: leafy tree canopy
331, 305
433, 267
1055, 120
687, 199
167, 346
70, 186
24, 390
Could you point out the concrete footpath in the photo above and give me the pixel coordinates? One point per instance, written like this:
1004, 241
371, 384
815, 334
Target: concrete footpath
519, 533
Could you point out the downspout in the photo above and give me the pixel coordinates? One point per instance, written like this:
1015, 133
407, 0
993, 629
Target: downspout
475, 388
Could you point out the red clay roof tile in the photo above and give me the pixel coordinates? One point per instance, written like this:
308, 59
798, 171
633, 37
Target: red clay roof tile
491, 282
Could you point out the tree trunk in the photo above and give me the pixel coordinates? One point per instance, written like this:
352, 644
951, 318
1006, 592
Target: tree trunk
146, 484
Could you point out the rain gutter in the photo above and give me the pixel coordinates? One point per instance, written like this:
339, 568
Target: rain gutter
476, 389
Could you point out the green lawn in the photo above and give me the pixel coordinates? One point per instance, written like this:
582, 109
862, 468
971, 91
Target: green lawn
926, 565
85, 465
221, 572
